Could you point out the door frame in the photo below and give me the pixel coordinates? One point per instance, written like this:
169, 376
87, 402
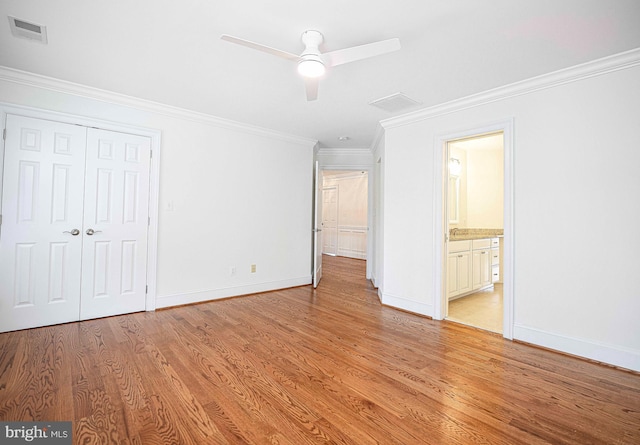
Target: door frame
154, 173
317, 225
370, 181
440, 238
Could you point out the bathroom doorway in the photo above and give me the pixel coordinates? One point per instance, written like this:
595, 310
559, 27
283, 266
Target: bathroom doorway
474, 230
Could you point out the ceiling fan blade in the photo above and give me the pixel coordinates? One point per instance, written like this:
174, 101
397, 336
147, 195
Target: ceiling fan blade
259, 47
342, 56
311, 86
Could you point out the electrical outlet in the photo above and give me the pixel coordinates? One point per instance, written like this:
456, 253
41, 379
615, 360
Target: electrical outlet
253, 268
232, 270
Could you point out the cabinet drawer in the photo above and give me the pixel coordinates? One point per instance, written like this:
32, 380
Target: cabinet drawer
459, 246
495, 242
495, 257
495, 274
481, 243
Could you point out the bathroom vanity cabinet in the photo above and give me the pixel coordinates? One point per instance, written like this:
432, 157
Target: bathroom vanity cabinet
472, 265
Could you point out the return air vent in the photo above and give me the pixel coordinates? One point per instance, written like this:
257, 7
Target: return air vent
394, 103
27, 30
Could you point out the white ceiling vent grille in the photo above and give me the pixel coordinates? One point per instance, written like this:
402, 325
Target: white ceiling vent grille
27, 30
394, 103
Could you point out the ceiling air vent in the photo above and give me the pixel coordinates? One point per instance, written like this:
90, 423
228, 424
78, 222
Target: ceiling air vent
394, 103
28, 30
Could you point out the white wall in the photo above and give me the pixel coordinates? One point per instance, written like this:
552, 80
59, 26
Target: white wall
576, 149
240, 195
484, 188
481, 182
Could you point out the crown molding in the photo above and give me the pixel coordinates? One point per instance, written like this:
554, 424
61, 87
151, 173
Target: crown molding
327, 151
62, 86
620, 61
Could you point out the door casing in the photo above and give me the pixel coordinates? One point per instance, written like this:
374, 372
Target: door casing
317, 225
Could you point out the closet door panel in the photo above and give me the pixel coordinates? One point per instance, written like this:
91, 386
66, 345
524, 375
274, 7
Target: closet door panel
116, 223
42, 212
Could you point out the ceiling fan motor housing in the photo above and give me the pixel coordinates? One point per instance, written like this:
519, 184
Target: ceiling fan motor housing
311, 65
312, 40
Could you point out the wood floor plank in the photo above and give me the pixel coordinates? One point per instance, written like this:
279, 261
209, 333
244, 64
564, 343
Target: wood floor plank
308, 366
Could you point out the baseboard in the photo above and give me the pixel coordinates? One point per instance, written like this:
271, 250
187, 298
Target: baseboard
216, 294
605, 353
406, 305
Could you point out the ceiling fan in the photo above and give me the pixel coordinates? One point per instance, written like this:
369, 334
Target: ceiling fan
312, 64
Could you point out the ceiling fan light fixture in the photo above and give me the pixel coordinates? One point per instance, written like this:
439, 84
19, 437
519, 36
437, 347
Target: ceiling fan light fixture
311, 67
313, 63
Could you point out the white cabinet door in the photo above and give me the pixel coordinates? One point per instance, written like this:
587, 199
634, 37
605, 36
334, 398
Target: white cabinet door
485, 271
464, 272
40, 235
458, 273
452, 275
116, 215
481, 268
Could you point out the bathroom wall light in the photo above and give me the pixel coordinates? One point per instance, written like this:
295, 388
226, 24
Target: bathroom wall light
455, 167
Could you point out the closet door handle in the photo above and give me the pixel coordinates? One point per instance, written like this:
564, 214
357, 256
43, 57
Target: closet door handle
74, 232
91, 231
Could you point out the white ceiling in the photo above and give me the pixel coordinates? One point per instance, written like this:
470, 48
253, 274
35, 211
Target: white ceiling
170, 52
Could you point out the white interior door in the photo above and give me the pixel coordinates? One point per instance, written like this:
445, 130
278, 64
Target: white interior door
330, 220
115, 227
40, 235
73, 238
317, 226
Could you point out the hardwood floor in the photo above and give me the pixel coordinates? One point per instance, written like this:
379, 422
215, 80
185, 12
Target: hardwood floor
303, 366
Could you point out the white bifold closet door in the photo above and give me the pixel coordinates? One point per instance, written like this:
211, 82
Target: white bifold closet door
73, 238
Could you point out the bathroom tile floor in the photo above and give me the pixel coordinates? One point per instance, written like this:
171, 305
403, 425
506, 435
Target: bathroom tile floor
481, 309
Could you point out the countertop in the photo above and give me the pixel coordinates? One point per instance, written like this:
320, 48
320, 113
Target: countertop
471, 234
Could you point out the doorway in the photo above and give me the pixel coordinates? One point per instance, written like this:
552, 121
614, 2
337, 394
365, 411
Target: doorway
475, 227
448, 247
345, 212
